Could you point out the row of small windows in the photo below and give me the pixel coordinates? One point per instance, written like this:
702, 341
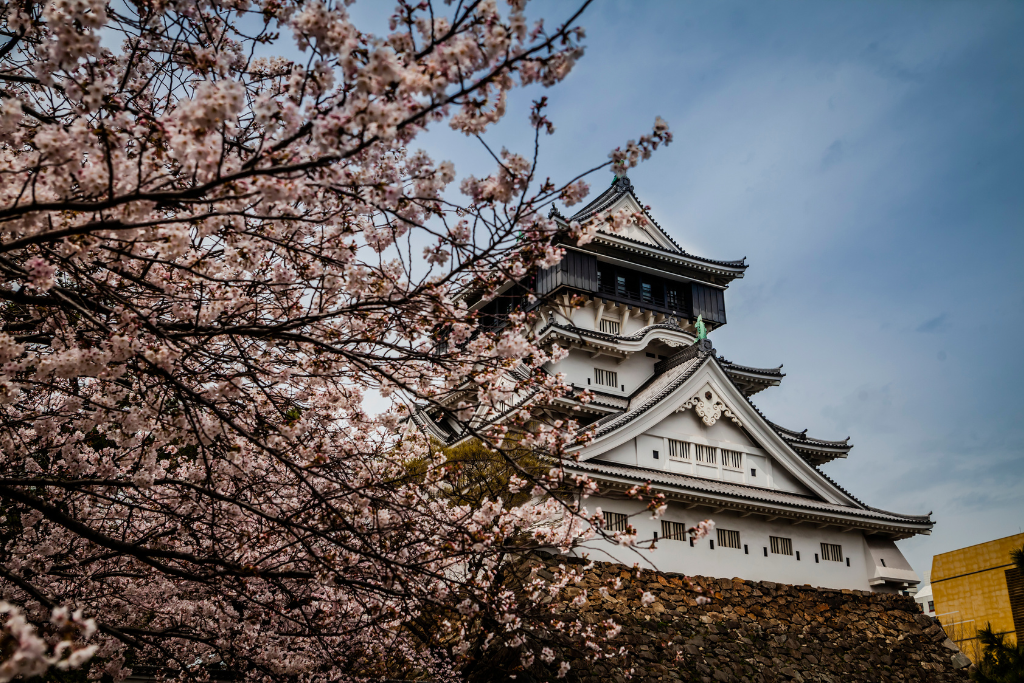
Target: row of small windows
681, 450
606, 377
727, 538
730, 538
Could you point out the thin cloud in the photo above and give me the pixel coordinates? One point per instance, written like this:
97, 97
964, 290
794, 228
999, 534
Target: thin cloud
933, 325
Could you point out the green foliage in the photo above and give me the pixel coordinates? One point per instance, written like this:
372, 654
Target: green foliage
1017, 557
1001, 662
479, 472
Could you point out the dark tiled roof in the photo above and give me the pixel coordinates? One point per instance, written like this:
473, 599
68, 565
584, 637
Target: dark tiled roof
603, 200
622, 186
794, 436
768, 372
742, 491
741, 263
640, 403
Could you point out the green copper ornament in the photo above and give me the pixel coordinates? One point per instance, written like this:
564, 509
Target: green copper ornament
702, 331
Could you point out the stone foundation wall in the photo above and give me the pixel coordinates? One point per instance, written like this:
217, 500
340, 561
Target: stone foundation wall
760, 632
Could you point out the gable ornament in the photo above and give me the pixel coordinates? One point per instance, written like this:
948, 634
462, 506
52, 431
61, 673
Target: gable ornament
709, 409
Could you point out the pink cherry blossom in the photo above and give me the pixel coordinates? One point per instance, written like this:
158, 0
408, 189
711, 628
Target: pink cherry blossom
231, 285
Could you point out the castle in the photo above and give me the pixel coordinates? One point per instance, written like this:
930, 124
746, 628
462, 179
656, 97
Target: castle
669, 410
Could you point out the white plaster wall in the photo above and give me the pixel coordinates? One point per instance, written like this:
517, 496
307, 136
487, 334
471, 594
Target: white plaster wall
757, 467
578, 367
701, 559
586, 316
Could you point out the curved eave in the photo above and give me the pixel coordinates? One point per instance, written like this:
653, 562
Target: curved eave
637, 341
763, 502
729, 269
815, 451
752, 380
430, 426
818, 456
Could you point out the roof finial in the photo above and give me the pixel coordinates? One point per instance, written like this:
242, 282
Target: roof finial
702, 330
621, 183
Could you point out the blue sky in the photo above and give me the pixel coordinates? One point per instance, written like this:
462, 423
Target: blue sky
868, 160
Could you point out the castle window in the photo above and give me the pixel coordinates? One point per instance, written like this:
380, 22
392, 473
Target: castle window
705, 454
832, 552
732, 459
728, 539
781, 546
616, 521
678, 450
931, 606
675, 531
610, 326
620, 285
673, 298
606, 377
646, 293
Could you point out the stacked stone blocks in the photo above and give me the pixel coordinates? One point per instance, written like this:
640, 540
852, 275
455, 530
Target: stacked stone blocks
757, 632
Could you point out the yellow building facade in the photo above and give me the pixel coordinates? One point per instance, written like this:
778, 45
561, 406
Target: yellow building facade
977, 586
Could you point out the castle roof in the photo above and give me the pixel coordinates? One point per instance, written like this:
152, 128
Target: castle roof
661, 244
745, 498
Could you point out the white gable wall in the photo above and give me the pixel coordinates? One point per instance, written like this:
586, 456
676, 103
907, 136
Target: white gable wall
709, 389
758, 468
648, 234
749, 561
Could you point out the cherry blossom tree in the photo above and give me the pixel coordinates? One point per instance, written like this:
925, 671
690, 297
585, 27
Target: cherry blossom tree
210, 256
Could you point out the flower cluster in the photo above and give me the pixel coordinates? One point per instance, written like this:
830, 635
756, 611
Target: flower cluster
30, 655
229, 284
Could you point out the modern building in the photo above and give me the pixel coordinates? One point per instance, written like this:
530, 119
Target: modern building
668, 409
978, 586
926, 600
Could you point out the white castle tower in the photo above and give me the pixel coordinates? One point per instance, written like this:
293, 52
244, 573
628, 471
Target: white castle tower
670, 411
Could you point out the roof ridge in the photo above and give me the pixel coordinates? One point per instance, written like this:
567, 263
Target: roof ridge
623, 185
743, 490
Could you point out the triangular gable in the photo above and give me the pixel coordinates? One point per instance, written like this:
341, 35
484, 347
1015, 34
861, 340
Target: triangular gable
703, 388
649, 233
621, 195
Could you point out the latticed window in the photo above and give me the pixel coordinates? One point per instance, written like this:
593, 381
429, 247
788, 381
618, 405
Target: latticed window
606, 377
732, 459
781, 546
610, 326
674, 531
678, 450
705, 454
728, 538
616, 521
832, 552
